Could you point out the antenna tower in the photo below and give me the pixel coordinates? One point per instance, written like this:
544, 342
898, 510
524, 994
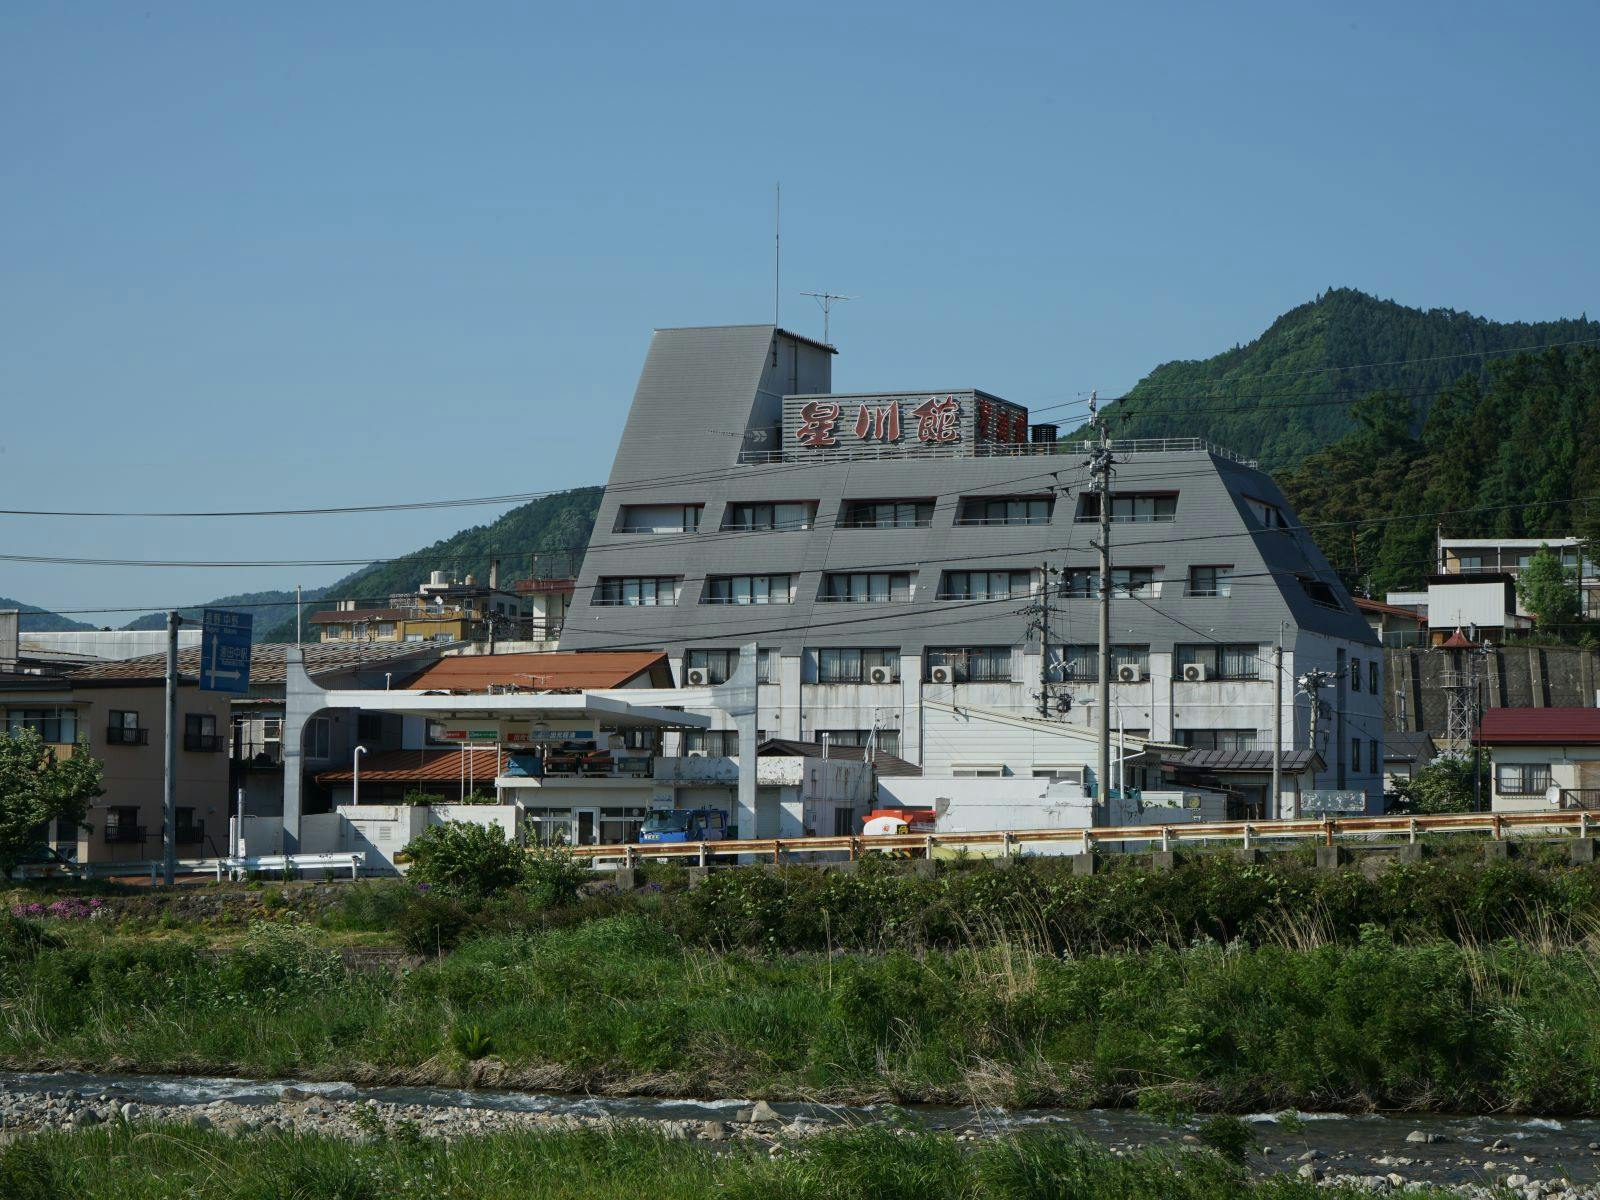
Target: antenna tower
826, 300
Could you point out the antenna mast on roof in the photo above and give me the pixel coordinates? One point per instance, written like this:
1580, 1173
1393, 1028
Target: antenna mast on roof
777, 247
827, 300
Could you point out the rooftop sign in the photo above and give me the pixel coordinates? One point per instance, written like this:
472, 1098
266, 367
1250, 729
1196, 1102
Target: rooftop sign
914, 420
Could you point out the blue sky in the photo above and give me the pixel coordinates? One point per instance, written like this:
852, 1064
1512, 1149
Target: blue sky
291, 254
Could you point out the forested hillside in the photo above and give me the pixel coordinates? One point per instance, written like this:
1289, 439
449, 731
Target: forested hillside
1280, 397
40, 620
556, 528
1515, 453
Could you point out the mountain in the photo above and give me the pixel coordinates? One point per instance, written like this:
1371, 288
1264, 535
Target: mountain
269, 608
555, 528
1512, 453
1289, 393
42, 620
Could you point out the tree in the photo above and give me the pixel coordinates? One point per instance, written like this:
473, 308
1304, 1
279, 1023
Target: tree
1549, 591
1442, 786
37, 788
465, 860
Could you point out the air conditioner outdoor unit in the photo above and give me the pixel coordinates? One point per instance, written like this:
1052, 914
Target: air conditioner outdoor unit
698, 676
942, 675
1128, 674
885, 675
1194, 673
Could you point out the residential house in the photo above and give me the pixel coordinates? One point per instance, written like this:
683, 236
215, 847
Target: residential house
1542, 758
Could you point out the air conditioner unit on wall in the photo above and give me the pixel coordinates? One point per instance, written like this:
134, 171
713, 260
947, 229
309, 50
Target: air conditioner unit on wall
941, 675
885, 675
697, 677
1194, 673
1128, 674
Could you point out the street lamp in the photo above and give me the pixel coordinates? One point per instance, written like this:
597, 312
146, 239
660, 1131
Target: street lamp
355, 770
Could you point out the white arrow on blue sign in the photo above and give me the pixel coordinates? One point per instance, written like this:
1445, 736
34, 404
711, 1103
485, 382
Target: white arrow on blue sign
225, 650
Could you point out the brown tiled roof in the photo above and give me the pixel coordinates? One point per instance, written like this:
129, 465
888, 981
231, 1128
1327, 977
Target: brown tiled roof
1365, 604
341, 616
422, 766
540, 672
266, 661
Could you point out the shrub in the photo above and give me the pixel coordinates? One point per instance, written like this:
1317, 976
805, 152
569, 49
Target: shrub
431, 923
465, 860
552, 877
1228, 1136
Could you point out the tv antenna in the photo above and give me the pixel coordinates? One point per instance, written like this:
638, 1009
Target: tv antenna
826, 300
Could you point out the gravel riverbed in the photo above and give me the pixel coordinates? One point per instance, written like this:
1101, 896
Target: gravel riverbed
1536, 1160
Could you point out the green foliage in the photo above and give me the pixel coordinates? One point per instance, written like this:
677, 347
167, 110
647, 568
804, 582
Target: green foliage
1550, 592
37, 788
1228, 1136
422, 798
112, 1163
464, 860
1444, 785
471, 1041
431, 923
552, 877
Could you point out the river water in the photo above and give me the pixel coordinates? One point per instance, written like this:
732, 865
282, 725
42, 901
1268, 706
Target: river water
1359, 1144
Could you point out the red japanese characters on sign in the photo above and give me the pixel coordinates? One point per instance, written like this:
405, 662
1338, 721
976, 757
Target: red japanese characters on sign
817, 421
881, 423
936, 419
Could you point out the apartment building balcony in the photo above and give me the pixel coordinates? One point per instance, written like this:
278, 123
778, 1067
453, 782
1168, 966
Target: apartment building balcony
121, 735
202, 743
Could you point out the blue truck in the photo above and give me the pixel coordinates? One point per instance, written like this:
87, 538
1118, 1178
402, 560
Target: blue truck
685, 825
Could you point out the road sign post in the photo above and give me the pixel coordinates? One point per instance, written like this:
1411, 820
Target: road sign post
225, 651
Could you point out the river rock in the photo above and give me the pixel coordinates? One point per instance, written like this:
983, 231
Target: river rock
1307, 1171
714, 1131
762, 1113
1424, 1138
199, 1120
129, 1111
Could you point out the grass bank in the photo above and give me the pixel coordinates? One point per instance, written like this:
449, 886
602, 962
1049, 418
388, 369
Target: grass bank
172, 1163
620, 1005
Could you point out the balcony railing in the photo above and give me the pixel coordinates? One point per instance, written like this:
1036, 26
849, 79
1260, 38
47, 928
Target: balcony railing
125, 835
252, 753
192, 834
1003, 521
1586, 798
204, 743
121, 735
1122, 447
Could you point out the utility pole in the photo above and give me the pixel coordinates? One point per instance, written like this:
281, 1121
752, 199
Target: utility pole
1275, 808
1100, 463
1312, 683
1043, 626
169, 783
299, 638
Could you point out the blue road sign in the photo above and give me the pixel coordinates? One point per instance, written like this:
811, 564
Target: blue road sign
225, 650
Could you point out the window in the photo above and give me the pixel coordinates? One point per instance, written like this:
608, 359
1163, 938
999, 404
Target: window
187, 831
1081, 663
764, 665
985, 585
848, 665
1140, 507
318, 731
976, 664
844, 822
644, 590
1355, 675
369, 727
788, 515
122, 826
888, 741
1470, 562
719, 665
56, 726
1211, 581
876, 587
1230, 661
200, 732
1372, 756
1355, 754
658, 518
385, 631
1083, 583
1522, 779
1005, 510
747, 589
1372, 677
717, 743
887, 514
1320, 592
1218, 739
1268, 516
122, 729
982, 772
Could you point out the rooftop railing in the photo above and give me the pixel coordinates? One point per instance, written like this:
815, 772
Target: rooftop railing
1123, 447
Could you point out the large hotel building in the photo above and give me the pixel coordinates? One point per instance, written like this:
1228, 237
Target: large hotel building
890, 554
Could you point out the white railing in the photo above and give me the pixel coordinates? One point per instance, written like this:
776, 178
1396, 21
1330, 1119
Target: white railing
1123, 446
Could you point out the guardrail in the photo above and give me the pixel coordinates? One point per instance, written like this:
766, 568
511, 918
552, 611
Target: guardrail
345, 860
1326, 832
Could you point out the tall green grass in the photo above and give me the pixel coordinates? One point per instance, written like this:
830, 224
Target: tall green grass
184, 1164
619, 1005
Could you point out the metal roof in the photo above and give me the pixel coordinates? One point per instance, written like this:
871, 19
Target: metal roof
888, 765
543, 671
1293, 761
1539, 727
1407, 746
422, 766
